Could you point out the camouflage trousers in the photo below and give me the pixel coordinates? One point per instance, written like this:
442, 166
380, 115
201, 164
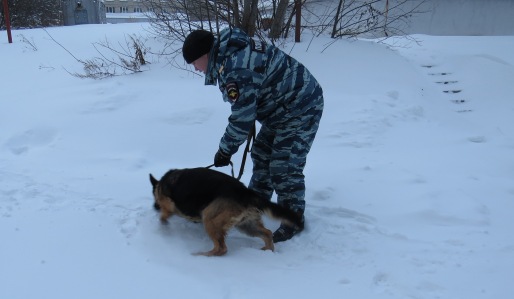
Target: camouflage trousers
279, 156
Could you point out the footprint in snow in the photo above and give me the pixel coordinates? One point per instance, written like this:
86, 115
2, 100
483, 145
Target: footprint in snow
107, 105
380, 281
477, 139
322, 195
191, 117
130, 221
25, 141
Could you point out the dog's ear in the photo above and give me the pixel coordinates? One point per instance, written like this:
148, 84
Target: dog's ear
153, 180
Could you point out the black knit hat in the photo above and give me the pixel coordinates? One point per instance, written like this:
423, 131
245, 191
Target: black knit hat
197, 43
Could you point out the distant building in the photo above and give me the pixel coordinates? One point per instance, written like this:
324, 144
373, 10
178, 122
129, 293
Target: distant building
126, 11
463, 17
78, 12
124, 6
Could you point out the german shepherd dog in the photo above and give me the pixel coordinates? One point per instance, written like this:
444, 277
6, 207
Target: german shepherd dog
220, 202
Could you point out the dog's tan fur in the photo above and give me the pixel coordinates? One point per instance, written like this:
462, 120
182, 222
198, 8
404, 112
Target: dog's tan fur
219, 201
218, 218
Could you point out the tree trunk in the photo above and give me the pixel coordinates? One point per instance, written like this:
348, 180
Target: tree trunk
250, 12
235, 11
278, 21
336, 18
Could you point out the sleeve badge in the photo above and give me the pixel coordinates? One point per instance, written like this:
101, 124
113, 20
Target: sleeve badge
232, 91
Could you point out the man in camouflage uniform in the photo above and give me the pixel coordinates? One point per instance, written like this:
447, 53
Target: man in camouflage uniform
262, 83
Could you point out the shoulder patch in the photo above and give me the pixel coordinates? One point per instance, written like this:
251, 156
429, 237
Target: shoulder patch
258, 45
232, 91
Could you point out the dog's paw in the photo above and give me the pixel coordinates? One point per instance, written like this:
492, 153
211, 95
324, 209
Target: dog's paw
213, 252
272, 248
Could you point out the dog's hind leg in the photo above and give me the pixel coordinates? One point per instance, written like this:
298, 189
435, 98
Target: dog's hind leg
255, 228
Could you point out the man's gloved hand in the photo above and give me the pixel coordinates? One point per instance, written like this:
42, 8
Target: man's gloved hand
221, 159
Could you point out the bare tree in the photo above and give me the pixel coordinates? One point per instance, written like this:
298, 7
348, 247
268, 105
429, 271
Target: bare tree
173, 20
278, 19
373, 17
119, 60
250, 12
32, 13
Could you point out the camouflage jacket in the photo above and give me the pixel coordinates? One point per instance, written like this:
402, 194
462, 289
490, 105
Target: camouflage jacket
261, 82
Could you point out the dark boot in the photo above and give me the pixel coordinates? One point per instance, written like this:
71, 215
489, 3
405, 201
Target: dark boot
286, 232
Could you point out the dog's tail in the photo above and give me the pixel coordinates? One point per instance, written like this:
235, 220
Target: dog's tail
284, 214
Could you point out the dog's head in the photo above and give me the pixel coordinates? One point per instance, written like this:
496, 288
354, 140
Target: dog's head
155, 192
162, 202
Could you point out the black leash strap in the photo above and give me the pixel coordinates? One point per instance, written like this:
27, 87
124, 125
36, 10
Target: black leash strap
248, 148
231, 165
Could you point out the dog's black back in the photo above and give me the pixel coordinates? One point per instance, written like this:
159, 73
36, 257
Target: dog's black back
220, 202
194, 189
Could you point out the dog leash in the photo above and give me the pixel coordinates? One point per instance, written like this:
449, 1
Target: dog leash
232, 168
249, 139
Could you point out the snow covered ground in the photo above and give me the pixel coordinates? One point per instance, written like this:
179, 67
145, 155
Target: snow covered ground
410, 180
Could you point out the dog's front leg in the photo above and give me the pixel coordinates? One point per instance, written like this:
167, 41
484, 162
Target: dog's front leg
165, 215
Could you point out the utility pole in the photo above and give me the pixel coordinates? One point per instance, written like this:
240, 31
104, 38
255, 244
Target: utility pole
7, 21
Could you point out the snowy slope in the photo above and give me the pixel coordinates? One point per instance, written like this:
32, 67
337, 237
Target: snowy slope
410, 180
